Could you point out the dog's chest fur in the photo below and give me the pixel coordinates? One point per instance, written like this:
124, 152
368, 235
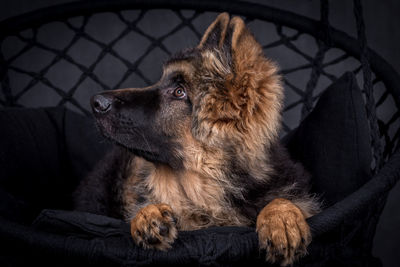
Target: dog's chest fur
198, 202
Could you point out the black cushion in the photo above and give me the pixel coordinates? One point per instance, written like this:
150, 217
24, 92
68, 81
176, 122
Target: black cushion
43, 154
333, 141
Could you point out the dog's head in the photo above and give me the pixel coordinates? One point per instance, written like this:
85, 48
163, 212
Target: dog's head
221, 96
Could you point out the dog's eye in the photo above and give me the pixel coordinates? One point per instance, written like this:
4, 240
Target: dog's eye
179, 92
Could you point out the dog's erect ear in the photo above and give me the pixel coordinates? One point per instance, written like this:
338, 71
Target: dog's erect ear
243, 46
233, 36
215, 34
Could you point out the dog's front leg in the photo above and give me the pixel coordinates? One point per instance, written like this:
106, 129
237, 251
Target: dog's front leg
283, 231
154, 226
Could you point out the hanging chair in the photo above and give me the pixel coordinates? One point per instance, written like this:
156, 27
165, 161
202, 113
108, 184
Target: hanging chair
56, 58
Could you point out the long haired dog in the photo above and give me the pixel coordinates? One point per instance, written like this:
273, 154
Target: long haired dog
200, 148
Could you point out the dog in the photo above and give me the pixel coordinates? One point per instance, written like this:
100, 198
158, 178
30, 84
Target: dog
200, 148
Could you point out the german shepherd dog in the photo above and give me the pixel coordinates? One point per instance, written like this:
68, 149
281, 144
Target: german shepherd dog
200, 148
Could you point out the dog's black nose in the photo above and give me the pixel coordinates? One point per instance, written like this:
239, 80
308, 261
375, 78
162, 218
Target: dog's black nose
101, 103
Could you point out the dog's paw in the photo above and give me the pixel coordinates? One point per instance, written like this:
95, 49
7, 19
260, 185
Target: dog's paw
283, 232
154, 227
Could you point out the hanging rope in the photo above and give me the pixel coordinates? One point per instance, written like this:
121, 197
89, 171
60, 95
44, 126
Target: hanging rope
324, 42
366, 68
326, 27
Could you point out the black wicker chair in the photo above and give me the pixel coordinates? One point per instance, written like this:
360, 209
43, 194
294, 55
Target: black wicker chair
23, 81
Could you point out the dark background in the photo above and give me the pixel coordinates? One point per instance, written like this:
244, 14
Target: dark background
382, 23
